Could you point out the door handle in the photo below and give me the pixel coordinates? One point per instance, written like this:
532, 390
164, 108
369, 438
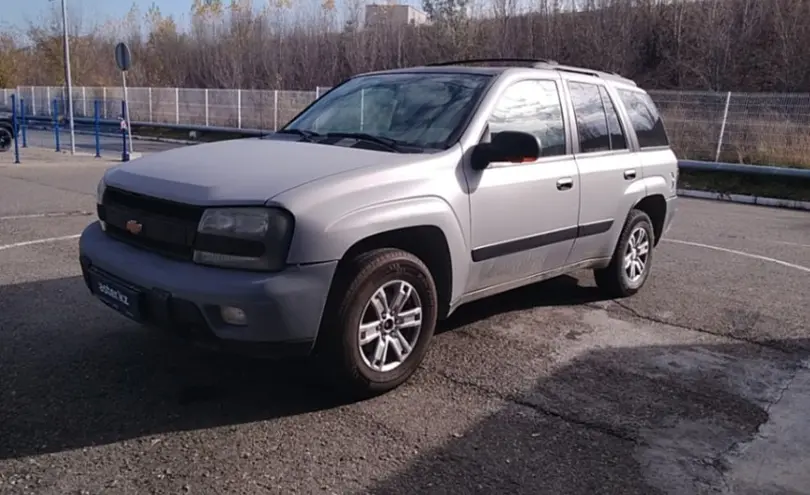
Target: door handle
565, 183
630, 174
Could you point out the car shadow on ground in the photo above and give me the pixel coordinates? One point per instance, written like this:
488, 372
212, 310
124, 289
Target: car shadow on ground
610, 420
630, 420
564, 290
75, 374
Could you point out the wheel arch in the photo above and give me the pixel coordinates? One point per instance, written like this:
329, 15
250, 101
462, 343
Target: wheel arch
427, 242
655, 206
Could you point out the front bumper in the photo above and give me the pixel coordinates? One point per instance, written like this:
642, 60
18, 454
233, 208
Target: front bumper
283, 309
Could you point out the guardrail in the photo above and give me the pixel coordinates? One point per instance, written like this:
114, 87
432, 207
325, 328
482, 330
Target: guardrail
694, 165
742, 168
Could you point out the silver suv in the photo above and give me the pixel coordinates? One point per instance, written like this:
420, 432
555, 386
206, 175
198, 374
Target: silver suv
382, 207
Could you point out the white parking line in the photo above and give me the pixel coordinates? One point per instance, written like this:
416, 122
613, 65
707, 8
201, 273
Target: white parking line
741, 253
39, 241
47, 215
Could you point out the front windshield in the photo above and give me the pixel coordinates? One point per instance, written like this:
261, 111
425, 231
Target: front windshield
418, 109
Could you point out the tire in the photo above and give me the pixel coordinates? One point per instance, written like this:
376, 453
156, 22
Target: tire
614, 280
346, 363
6, 139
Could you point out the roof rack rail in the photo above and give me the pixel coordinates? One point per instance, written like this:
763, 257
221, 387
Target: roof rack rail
531, 61
615, 76
540, 63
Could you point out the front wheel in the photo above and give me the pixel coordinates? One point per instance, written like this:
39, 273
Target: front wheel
632, 258
377, 335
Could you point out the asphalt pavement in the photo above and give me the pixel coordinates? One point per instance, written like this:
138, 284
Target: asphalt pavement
698, 384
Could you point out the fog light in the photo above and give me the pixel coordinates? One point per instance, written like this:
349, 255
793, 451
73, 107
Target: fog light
233, 316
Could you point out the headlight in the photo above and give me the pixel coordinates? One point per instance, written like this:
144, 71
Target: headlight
246, 238
100, 188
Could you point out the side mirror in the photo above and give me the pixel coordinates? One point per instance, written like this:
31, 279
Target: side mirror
506, 146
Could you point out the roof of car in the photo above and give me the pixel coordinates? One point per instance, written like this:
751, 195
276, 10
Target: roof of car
467, 67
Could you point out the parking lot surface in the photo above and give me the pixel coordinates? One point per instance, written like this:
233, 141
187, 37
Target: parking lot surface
698, 384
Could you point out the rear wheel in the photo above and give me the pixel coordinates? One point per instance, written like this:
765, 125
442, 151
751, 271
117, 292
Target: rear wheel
632, 258
378, 328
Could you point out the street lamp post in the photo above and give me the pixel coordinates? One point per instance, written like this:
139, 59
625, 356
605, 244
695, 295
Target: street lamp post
67, 77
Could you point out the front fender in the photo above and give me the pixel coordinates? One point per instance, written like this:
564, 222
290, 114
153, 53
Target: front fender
313, 243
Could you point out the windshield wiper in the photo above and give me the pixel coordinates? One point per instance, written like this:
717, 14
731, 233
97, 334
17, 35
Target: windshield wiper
390, 143
307, 134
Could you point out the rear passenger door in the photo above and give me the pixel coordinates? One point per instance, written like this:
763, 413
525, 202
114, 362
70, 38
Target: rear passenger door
524, 215
658, 163
610, 171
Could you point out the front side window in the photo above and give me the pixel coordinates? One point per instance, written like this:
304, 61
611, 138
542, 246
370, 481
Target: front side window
426, 110
645, 119
534, 107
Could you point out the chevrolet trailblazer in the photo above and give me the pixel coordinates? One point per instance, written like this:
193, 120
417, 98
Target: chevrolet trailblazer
382, 207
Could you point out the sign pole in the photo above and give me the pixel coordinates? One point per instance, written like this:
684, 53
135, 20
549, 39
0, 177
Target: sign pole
126, 114
68, 78
123, 59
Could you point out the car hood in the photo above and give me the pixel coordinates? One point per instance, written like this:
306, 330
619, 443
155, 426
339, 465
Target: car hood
241, 171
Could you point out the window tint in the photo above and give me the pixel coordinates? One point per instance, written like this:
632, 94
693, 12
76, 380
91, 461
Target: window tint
645, 119
533, 107
617, 139
591, 119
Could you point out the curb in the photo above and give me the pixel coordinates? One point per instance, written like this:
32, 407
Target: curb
792, 204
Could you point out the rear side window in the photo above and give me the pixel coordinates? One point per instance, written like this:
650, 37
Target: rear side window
617, 139
592, 125
645, 119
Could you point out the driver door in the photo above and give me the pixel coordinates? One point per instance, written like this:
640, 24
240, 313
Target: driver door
524, 215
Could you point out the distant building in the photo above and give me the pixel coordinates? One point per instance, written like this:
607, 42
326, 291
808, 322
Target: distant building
394, 14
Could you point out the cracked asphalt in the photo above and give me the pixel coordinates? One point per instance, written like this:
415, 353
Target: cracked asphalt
698, 384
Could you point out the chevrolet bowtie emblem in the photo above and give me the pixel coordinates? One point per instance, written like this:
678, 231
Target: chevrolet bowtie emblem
133, 227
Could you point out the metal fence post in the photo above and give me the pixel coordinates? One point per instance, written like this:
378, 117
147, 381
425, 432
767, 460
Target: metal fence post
14, 128
104, 99
23, 124
33, 102
176, 105
55, 112
47, 96
206, 108
151, 119
362, 108
84, 101
239, 108
722, 128
275, 110
97, 126
124, 131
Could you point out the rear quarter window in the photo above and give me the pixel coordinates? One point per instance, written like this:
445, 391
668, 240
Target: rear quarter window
644, 118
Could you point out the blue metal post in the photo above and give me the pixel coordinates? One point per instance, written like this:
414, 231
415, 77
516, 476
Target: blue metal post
124, 132
97, 125
23, 123
14, 128
56, 122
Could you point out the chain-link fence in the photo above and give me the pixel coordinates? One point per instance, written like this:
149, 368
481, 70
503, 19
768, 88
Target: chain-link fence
732, 127
239, 108
738, 127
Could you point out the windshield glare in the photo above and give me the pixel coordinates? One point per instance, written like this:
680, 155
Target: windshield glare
422, 110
